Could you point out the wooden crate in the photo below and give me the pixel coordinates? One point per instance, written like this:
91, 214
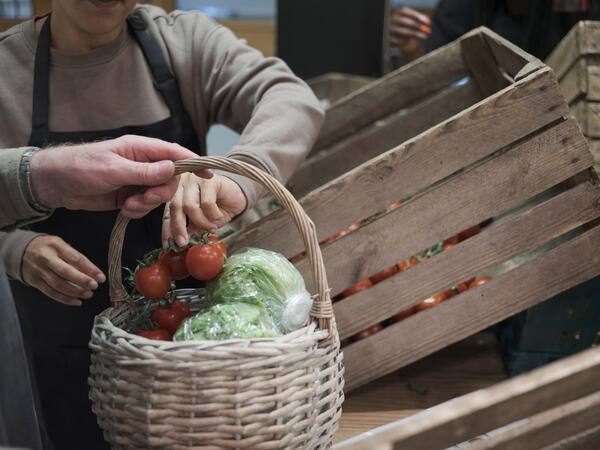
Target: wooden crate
409, 101
557, 406
331, 87
576, 62
483, 162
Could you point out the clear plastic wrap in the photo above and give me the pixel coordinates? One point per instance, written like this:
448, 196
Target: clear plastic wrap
272, 290
228, 321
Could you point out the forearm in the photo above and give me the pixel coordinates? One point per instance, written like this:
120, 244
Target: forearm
12, 248
15, 210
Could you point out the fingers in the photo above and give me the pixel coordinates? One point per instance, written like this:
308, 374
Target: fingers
414, 14
201, 207
408, 24
138, 205
59, 271
177, 219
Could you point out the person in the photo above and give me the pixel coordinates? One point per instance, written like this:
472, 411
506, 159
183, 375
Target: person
98, 69
536, 26
73, 177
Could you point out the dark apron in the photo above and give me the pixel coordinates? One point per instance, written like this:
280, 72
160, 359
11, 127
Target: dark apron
57, 335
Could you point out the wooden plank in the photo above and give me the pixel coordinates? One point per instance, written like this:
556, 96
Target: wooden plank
474, 256
466, 199
547, 427
583, 39
510, 57
588, 116
482, 65
392, 92
334, 86
382, 136
593, 82
476, 132
575, 82
478, 412
419, 335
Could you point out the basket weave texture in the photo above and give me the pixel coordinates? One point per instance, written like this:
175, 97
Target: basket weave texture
270, 393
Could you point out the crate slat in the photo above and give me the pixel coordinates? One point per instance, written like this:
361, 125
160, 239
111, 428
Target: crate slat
583, 39
582, 79
334, 86
547, 427
391, 93
419, 335
476, 255
382, 136
510, 58
488, 409
482, 64
476, 132
501, 183
588, 115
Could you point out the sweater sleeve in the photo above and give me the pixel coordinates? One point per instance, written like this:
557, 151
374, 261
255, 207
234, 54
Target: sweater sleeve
12, 249
15, 210
223, 80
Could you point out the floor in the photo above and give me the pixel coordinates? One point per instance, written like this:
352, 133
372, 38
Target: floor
456, 370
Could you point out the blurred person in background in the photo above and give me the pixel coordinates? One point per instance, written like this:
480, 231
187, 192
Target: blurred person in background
536, 26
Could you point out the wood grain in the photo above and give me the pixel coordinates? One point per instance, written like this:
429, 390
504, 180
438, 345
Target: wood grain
482, 64
508, 56
474, 256
476, 132
547, 427
464, 200
392, 92
588, 116
582, 80
478, 412
419, 335
334, 86
381, 136
583, 39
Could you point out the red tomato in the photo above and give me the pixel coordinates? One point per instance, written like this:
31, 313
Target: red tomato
175, 262
393, 206
465, 234
368, 332
354, 226
385, 273
360, 286
462, 287
218, 243
448, 293
452, 240
157, 335
204, 261
448, 245
402, 266
153, 281
404, 314
431, 301
479, 281
169, 318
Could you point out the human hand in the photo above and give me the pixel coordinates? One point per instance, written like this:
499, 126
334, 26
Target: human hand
106, 175
408, 30
209, 204
59, 271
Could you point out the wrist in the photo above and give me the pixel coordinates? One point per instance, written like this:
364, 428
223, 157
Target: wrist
41, 188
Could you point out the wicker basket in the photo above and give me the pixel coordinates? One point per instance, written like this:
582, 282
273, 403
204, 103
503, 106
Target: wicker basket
283, 392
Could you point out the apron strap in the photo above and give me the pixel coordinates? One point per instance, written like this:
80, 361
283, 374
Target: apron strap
41, 81
164, 80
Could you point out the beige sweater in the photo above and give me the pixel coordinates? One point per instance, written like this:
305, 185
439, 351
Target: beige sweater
221, 80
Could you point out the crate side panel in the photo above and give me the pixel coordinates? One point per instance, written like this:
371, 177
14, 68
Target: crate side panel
476, 132
473, 310
468, 198
474, 256
381, 136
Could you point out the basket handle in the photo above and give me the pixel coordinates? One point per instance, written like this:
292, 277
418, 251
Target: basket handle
321, 311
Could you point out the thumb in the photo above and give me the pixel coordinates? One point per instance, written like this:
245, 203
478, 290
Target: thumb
149, 174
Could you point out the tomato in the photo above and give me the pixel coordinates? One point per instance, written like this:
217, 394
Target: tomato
204, 261
393, 206
404, 314
175, 262
169, 318
153, 281
448, 245
462, 287
218, 243
472, 231
430, 302
402, 266
452, 240
385, 273
360, 286
479, 281
157, 335
345, 231
368, 331
449, 293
